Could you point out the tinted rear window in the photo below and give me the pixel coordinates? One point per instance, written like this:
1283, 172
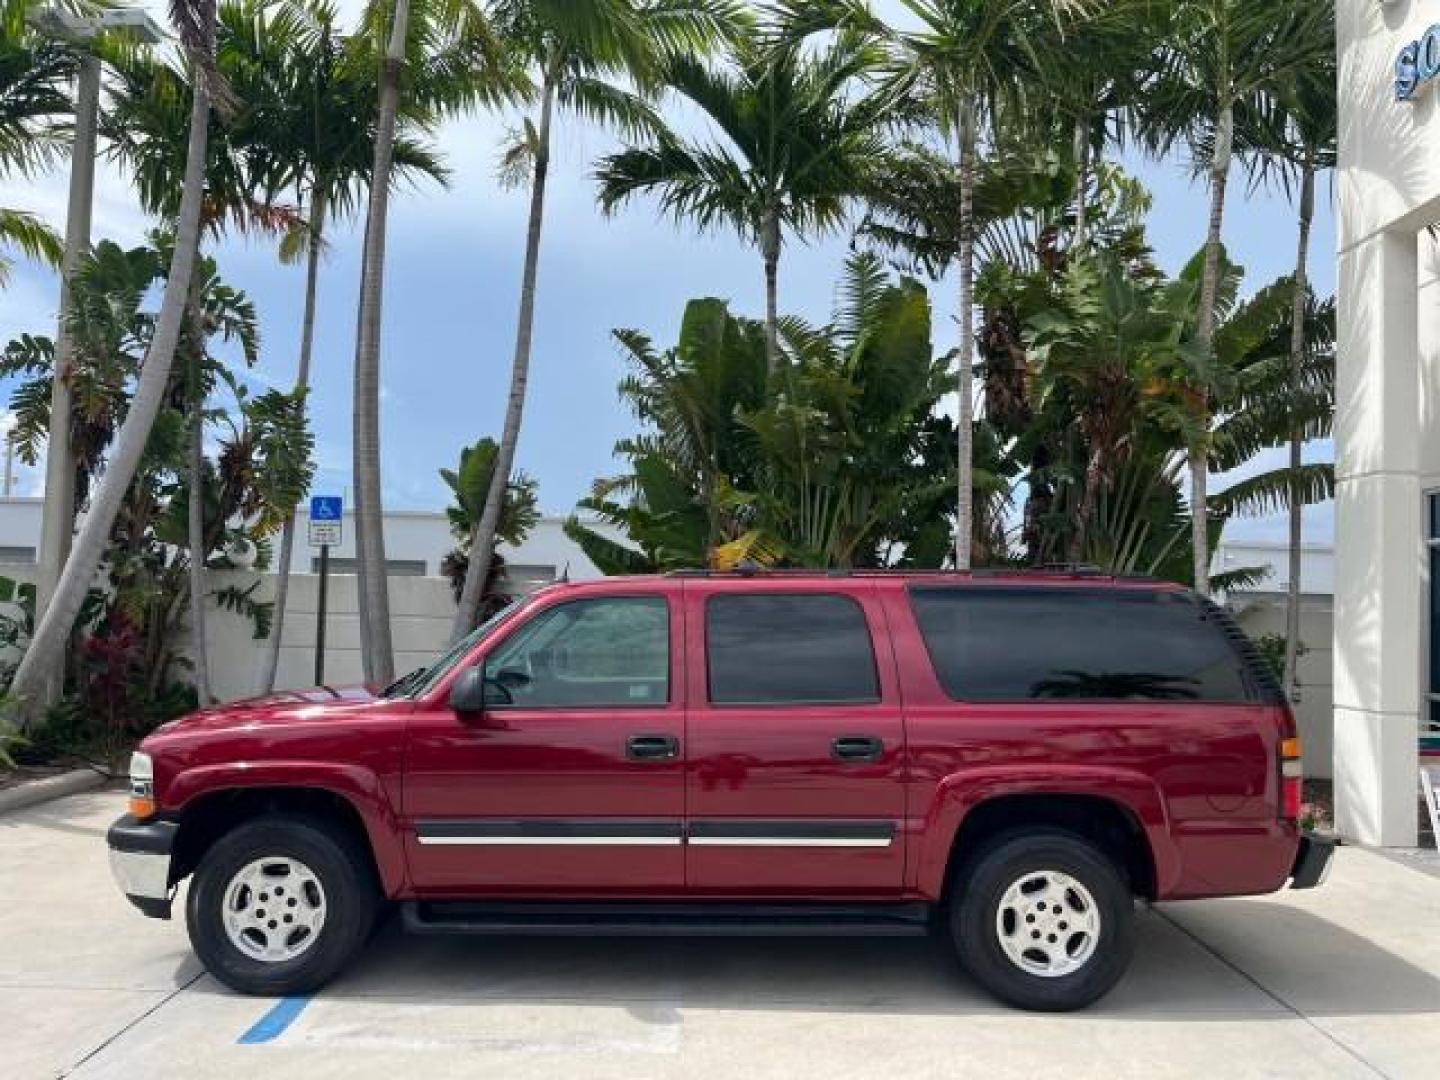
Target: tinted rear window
1077, 645
788, 649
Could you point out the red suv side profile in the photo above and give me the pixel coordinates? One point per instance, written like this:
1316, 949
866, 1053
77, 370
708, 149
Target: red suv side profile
1012, 759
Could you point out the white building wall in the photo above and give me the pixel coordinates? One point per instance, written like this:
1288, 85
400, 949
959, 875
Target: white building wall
1387, 438
421, 605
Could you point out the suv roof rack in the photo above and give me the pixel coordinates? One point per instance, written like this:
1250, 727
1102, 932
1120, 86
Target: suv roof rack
1067, 570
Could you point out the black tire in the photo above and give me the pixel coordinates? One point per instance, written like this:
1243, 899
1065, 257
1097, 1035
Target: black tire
976, 894
351, 903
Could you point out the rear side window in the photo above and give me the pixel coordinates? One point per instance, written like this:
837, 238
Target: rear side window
1078, 645
788, 649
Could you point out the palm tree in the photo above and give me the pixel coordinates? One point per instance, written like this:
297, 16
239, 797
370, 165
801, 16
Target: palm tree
27, 234
797, 146
324, 114
194, 21
1299, 142
1097, 94
1222, 57
448, 61
34, 74
469, 484
145, 129
1097, 354
972, 62
581, 53
377, 655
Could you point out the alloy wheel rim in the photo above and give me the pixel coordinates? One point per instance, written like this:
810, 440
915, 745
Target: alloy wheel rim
273, 909
1048, 924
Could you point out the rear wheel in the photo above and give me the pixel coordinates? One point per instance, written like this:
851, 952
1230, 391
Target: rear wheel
1043, 920
280, 904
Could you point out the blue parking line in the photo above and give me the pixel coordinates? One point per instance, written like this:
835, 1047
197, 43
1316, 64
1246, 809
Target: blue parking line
273, 1024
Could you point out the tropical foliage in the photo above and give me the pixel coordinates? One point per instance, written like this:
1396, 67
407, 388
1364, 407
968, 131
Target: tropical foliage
828, 461
973, 145
469, 484
257, 468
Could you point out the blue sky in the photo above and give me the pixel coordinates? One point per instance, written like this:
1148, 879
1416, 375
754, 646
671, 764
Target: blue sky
452, 284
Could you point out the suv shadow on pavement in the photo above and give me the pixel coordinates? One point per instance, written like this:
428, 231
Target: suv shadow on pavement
1248, 960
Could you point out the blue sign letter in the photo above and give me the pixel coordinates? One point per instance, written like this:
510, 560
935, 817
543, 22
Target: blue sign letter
1407, 72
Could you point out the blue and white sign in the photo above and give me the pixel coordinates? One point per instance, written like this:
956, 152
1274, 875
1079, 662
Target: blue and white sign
327, 517
1417, 64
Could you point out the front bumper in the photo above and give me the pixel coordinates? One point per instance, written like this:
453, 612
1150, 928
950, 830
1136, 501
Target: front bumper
1312, 862
140, 862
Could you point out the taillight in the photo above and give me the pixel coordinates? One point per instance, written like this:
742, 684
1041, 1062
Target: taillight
1292, 780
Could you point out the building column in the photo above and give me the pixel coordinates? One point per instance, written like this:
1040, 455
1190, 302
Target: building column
1380, 550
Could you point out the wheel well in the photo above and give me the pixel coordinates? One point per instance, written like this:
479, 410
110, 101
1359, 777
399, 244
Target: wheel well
1105, 823
211, 816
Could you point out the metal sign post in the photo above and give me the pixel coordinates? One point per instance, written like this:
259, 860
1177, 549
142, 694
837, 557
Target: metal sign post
327, 517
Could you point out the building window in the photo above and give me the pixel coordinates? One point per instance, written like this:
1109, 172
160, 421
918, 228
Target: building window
1432, 539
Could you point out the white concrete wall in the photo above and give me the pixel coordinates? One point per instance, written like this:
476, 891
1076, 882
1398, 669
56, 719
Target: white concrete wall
1388, 393
420, 612
421, 536
421, 607
1264, 613
1317, 565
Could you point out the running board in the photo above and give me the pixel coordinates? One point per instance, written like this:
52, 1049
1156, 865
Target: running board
667, 919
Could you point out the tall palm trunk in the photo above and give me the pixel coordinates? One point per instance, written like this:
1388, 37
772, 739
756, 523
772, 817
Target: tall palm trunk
1082, 182
1205, 334
1297, 360
58, 514
965, 491
482, 541
48, 643
379, 657
195, 511
302, 383
770, 252
1094, 476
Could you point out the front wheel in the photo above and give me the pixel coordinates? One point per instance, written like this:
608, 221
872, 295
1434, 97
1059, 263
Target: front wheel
1043, 920
279, 905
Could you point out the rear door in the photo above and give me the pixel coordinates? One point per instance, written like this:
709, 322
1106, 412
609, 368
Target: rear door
794, 779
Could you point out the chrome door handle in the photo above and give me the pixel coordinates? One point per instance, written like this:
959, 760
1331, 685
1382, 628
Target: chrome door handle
652, 747
857, 748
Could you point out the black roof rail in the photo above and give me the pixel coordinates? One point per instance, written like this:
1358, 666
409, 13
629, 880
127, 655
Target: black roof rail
1077, 570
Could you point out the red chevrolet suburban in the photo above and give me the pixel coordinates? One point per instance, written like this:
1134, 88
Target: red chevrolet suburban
1011, 760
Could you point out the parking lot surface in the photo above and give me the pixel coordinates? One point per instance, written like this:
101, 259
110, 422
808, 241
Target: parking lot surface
1342, 981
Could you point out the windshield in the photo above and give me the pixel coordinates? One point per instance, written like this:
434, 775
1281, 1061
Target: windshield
422, 680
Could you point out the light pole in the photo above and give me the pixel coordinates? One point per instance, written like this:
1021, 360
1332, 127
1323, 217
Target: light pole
58, 515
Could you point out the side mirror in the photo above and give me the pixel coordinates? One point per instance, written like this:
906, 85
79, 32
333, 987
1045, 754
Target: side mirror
467, 695
510, 680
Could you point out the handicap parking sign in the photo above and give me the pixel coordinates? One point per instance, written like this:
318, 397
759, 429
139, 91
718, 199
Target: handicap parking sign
327, 513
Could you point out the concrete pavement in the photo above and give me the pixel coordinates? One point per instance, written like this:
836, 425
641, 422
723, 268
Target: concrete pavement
1340, 982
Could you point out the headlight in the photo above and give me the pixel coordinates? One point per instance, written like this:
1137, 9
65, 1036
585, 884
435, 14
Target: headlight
142, 785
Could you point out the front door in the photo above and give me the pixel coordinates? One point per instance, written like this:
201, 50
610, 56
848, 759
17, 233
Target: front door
572, 779
794, 779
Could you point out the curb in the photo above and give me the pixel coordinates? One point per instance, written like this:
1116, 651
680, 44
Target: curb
51, 787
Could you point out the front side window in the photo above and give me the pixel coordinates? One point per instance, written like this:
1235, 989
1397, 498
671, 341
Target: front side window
1001, 645
611, 651
784, 649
